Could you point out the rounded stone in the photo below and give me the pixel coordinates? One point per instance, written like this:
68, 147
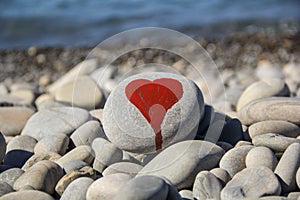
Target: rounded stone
82, 92
11, 175
274, 126
123, 167
171, 163
74, 165
206, 186
57, 143
35, 158
21, 142
5, 188
186, 194
222, 175
287, 168
2, 147
272, 108
86, 133
233, 160
251, 183
176, 100
27, 95
54, 121
106, 188
77, 189
262, 89
27, 194
98, 114
261, 156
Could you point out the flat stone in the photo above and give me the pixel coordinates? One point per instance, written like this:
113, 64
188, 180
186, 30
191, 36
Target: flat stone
186, 194
261, 89
77, 189
222, 175
143, 187
82, 92
2, 147
42, 176
27, 194
274, 126
56, 120
171, 162
261, 156
21, 142
107, 187
86, 133
123, 167
287, 168
206, 186
49, 104
35, 158
13, 119
57, 143
273, 108
233, 160
251, 183
8, 100
27, 95
106, 153
11, 175
126, 126
5, 188
276, 142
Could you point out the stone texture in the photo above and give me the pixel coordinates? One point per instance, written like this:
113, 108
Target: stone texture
293, 195
13, 119
98, 114
2, 147
207, 186
261, 156
27, 194
171, 162
74, 165
106, 188
35, 158
49, 104
5, 188
126, 127
42, 176
11, 175
274, 126
56, 120
287, 168
123, 167
57, 143
27, 95
77, 189
222, 175
233, 160
186, 194
22, 142
251, 183
82, 92
273, 108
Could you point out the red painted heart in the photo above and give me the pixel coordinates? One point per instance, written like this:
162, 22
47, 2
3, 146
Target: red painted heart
154, 99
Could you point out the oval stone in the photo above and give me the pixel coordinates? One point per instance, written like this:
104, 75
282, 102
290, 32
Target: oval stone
261, 156
27, 194
123, 167
77, 189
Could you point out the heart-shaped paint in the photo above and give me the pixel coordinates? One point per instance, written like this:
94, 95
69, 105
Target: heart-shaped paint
154, 99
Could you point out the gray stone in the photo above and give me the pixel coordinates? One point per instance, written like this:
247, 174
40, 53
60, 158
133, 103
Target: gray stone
107, 187
2, 147
207, 186
82, 92
11, 175
262, 89
27, 194
273, 108
21, 142
49, 104
13, 119
274, 126
222, 175
86, 133
243, 143
74, 165
261, 156
171, 162
123, 167
293, 195
42, 176
126, 127
5, 188
233, 160
56, 120
35, 158
224, 145
143, 187
287, 168
57, 143
77, 189
106, 153
251, 183
186, 194
274, 198
276, 142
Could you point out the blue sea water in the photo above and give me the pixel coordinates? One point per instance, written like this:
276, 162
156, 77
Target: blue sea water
87, 22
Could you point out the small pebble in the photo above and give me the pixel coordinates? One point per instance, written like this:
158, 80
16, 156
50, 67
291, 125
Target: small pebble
261, 156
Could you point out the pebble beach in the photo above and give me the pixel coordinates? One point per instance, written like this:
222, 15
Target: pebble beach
229, 134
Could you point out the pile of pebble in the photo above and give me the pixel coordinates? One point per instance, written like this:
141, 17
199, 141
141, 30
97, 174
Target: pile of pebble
76, 142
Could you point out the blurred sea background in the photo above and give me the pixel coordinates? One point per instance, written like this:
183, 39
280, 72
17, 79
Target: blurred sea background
24, 23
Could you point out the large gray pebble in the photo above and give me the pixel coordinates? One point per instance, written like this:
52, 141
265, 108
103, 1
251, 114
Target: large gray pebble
276, 142
206, 186
2, 147
22, 142
11, 175
86, 133
56, 120
77, 189
52, 143
42, 176
287, 168
251, 183
172, 162
5, 188
27, 194
261, 156
233, 160
274, 126
126, 127
123, 167
274, 108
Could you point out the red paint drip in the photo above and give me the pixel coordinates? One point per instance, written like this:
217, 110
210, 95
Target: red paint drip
154, 99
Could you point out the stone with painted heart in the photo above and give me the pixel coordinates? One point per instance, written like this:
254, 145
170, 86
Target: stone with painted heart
149, 111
